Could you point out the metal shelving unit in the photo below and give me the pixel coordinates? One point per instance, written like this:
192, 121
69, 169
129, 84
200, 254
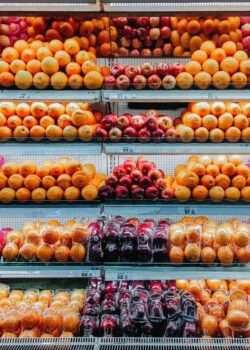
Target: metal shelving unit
191, 95
50, 95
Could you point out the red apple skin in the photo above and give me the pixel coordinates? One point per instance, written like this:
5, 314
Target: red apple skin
144, 135
137, 193
128, 32
165, 122
109, 82
122, 82
167, 194
139, 82
125, 181
158, 135
111, 180
168, 49
135, 53
101, 133
177, 68
135, 176
169, 82
165, 21
152, 193
172, 135
151, 123
154, 21
142, 33
154, 82
157, 52
123, 122
129, 134
165, 32
143, 21
129, 165
147, 69
138, 121
115, 134
123, 52
148, 42
162, 69
159, 44
120, 22
161, 183
136, 43
245, 29
132, 71
119, 171
121, 192
117, 69
146, 53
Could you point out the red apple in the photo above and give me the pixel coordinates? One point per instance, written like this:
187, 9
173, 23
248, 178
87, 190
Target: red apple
161, 183
109, 82
142, 33
121, 192
146, 53
177, 68
120, 22
151, 123
117, 69
154, 21
165, 32
135, 53
154, 33
111, 180
148, 42
144, 135
152, 193
145, 182
168, 82
158, 135
143, 21
132, 71
147, 69
140, 82
135, 176
162, 69
128, 32
165, 21
109, 121
167, 194
129, 165
159, 44
245, 29
154, 82
115, 134
167, 49
125, 181
101, 133
145, 166
172, 135
154, 175
157, 52
138, 121
122, 52
244, 19
119, 171
152, 113
122, 122
129, 134
137, 192
122, 82
165, 122
136, 43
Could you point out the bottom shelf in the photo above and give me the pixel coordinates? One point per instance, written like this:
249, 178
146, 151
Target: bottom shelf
126, 343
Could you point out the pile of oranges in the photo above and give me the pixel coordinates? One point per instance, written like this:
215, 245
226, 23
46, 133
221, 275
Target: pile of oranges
218, 67
217, 178
222, 306
45, 242
215, 121
45, 313
64, 179
206, 241
57, 64
188, 33
55, 121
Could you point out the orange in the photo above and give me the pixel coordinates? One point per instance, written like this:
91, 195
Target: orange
89, 192
245, 134
233, 108
62, 253
209, 122
228, 169
44, 252
7, 195
245, 194
72, 193
218, 55
36, 44
193, 27
233, 134
210, 66
86, 28
34, 66
184, 80
54, 132
241, 121
218, 108
21, 45
3, 180
208, 46
77, 252
55, 194
55, 45
23, 109
4, 67
239, 181
193, 67
48, 181
27, 168
229, 65
71, 46
28, 55
182, 193
21, 132
7, 79
94, 80
56, 109
43, 52
216, 194
200, 193
212, 170
73, 68
17, 65
63, 58
81, 57
243, 170
46, 121
202, 80
15, 181
29, 122
245, 67
32, 181
41, 80
76, 81
23, 195
225, 255
240, 55
10, 54
88, 66
208, 181
221, 80
38, 109
59, 80
14, 121
23, 79
229, 47
50, 65
225, 121
223, 181
239, 80
10, 168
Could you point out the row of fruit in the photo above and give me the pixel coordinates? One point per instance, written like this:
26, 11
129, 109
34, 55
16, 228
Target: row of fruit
130, 36
53, 121
189, 240
161, 309
41, 64
45, 242
34, 313
53, 181
202, 177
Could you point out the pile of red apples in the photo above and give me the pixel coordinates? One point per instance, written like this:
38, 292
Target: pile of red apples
145, 76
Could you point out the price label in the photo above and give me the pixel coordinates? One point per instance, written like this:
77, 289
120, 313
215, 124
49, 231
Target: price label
24, 96
123, 276
90, 273
127, 149
187, 210
212, 96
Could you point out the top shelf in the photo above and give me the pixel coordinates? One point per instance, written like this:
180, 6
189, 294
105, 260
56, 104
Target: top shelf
124, 6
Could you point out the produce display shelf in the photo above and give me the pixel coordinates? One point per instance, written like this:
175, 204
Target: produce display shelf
44, 149
174, 95
175, 148
45, 6
126, 343
49, 271
173, 6
45, 210
159, 207
50, 95
135, 273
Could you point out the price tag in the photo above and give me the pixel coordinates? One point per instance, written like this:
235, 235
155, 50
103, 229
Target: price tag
127, 149
187, 210
24, 96
212, 96
90, 273
123, 276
